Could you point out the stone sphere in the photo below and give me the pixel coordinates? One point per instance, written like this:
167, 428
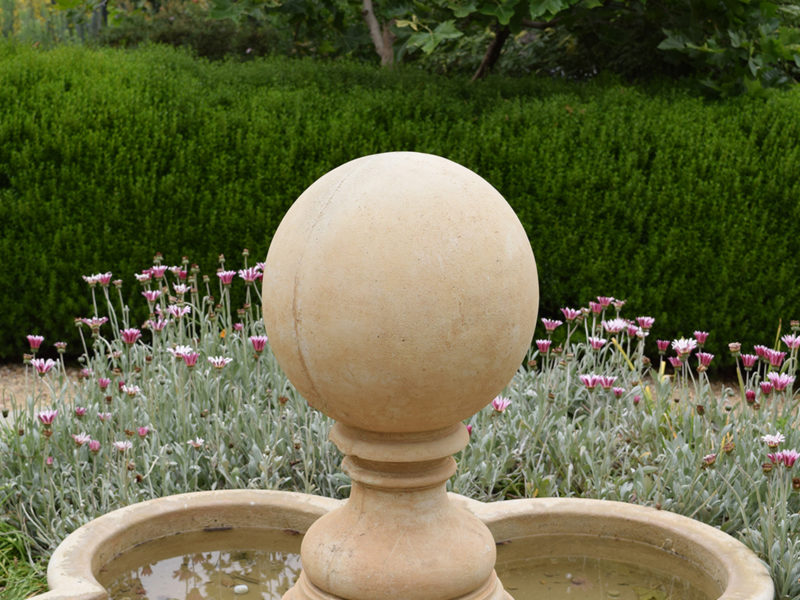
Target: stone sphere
400, 293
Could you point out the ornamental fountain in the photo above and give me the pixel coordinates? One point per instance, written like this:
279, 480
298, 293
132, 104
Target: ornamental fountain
400, 297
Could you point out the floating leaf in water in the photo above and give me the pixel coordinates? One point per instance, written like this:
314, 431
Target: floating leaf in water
647, 594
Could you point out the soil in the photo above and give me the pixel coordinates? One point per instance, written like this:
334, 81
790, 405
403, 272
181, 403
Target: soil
13, 384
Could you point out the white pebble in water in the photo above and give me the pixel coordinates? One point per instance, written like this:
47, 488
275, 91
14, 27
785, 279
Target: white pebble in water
240, 589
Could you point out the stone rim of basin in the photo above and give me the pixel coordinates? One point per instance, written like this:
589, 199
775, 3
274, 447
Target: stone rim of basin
72, 571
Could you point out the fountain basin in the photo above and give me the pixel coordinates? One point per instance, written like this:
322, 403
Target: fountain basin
714, 563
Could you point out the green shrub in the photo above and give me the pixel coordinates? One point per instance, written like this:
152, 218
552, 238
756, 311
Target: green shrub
680, 206
207, 38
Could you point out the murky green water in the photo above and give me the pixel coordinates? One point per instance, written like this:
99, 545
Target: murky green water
590, 579
199, 567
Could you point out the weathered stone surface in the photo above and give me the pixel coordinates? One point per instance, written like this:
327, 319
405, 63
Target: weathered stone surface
400, 293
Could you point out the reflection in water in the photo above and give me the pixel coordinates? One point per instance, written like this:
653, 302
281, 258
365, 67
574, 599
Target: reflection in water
183, 567
234, 565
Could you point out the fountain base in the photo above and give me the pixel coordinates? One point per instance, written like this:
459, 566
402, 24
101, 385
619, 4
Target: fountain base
715, 563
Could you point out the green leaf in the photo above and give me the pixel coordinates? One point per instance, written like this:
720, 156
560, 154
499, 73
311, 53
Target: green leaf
673, 41
503, 12
463, 10
538, 8
447, 30
422, 40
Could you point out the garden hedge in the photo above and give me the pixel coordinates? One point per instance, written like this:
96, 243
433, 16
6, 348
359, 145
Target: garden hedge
686, 208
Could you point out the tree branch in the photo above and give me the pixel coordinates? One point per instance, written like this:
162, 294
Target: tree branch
492, 52
540, 24
382, 37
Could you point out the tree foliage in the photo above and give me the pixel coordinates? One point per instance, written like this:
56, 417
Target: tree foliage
729, 46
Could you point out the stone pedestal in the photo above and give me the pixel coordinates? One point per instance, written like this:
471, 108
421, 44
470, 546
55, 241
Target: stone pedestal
400, 296
398, 536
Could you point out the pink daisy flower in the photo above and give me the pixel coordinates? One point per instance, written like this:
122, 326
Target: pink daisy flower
780, 381
543, 346
705, 358
590, 381
250, 274
157, 325
570, 314
226, 277
130, 335
790, 457
645, 322
606, 381
179, 350
157, 271
219, 362
748, 360
190, 358
123, 445
94, 322
550, 325
676, 362
605, 301
596, 343
773, 440
683, 346
259, 342
81, 438
35, 342
614, 325
176, 311
774, 357
500, 404
46, 417
43, 366
792, 341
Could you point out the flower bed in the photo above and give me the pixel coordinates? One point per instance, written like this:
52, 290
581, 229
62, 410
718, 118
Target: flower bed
192, 399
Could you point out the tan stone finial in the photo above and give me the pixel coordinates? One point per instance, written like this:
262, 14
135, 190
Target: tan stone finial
400, 296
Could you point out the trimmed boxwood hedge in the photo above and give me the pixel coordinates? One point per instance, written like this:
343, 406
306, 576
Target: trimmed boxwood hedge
687, 209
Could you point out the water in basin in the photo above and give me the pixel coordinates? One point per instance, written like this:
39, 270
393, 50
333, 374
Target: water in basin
234, 565
219, 565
